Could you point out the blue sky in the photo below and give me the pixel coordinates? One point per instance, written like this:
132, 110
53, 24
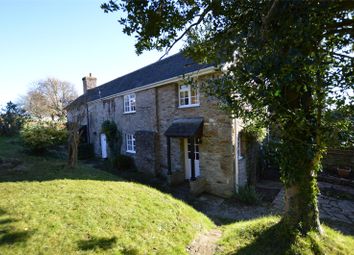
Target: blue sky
66, 39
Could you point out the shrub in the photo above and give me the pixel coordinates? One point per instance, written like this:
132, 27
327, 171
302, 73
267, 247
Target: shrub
114, 136
12, 118
85, 151
39, 136
248, 195
123, 162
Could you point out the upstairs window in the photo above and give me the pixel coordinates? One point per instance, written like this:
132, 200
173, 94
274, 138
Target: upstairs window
130, 143
129, 103
188, 95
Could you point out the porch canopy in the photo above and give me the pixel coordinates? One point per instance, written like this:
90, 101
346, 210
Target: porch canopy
184, 128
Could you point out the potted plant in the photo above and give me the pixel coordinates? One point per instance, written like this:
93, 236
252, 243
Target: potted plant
343, 172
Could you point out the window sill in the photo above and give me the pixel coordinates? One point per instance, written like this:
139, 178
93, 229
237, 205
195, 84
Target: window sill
188, 106
129, 112
132, 152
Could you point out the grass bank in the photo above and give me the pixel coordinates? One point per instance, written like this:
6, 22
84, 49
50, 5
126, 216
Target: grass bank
267, 235
47, 208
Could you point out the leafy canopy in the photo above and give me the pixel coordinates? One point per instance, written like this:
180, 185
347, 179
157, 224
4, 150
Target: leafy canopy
288, 61
12, 118
287, 64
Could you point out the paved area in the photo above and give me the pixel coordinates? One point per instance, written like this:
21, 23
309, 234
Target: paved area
336, 205
223, 211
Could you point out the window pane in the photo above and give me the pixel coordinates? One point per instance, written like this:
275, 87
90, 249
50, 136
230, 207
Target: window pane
183, 87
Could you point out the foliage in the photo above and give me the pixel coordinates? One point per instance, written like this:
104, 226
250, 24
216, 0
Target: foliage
12, 119
85, 151
48, 98
113, 135
248, 195
287, 62
269, 236
340, 127
123, 162
51, 209
41, 135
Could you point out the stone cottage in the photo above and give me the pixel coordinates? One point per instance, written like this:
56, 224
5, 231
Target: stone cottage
168, 126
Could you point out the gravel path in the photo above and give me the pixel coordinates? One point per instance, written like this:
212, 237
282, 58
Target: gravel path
205, 244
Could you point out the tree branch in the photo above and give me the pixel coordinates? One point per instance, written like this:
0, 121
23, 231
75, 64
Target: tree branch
201, 18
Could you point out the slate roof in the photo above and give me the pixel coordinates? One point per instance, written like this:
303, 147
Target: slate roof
186, 127
167, 68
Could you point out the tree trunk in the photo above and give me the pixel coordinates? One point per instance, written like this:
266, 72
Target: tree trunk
301, 204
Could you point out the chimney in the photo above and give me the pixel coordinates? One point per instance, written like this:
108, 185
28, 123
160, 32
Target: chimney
89, 82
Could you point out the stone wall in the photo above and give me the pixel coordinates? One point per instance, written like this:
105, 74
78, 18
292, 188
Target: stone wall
156, 109
216, 148
146, 152
144, 119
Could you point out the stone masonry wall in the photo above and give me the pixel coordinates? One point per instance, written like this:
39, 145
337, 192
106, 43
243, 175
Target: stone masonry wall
144, 119
146, 151
156, 109
216, 149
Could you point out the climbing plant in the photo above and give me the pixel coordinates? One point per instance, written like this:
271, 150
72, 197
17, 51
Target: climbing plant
288, 61
113, 135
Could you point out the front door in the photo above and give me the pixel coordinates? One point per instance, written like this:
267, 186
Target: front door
103, 145
188, 157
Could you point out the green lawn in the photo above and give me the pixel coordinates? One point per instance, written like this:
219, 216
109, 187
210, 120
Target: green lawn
50, 209
55, 210
268, 236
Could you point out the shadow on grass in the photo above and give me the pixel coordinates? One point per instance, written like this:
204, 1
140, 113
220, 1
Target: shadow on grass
8, 234
14, 237
97, 243
267, 242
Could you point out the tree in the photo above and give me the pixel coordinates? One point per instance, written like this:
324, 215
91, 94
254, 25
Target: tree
74, 135
288, 61
48, 98
11, 119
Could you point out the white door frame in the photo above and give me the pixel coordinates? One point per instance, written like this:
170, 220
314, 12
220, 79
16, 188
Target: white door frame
103, 145
187, 160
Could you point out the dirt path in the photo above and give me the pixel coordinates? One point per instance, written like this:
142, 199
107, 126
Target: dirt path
205, 244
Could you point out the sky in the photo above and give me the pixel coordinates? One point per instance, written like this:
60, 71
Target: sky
65, 39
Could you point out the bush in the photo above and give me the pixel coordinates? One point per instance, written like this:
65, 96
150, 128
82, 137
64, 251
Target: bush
85, 151
12, 119
123, 162
114, 136
40, 136
248, 195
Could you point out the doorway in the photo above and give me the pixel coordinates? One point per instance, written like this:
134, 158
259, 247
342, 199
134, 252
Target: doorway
104, 145
189, 155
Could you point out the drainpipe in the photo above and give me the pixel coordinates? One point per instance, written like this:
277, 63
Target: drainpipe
87, 121
236, 156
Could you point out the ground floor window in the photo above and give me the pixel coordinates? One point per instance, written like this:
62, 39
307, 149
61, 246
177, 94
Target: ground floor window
130, 143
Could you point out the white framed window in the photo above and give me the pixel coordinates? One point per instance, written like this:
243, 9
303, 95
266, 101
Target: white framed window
130, 143
188, 95
129, 103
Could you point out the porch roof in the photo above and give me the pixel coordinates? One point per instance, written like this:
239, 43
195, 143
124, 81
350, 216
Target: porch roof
186, 127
